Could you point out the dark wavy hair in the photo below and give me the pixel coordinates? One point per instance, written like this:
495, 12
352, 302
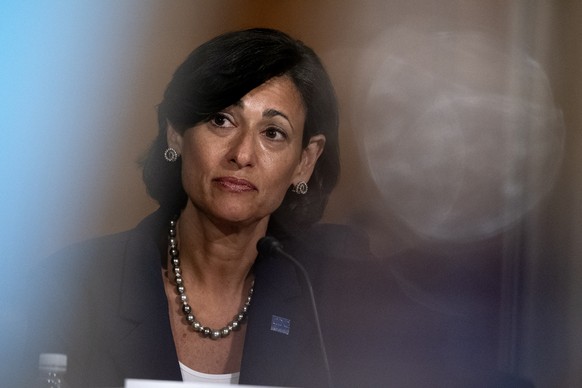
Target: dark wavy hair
219, 73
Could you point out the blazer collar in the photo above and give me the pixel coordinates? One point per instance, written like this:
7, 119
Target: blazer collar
273, 356
142, 288
144, 338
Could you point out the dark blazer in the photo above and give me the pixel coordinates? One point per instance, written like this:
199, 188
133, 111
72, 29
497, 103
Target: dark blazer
102, 303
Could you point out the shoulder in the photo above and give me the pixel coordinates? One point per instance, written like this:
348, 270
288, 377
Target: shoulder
104, 251
93, 270
101, 247
340, 242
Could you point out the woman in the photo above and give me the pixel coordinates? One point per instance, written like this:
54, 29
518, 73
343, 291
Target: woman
247, 147
242, 126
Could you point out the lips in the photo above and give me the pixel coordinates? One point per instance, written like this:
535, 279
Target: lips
235, 185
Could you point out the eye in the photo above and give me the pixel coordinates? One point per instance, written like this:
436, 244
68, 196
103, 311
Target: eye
275, 134
221, 120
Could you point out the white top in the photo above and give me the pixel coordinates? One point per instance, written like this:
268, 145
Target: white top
190, 375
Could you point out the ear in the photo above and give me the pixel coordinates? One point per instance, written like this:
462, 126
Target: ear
309, 156
174, 138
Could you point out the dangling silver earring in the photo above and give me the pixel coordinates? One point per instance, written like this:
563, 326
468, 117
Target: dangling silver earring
171, 155
300, 188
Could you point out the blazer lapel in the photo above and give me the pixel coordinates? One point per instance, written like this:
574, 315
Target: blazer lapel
281, 340
145, 347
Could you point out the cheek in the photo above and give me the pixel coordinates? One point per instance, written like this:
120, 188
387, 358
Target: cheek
194, 166
198, 154
282, 159
282, 176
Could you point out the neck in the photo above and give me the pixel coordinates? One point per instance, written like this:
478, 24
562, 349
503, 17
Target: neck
217, 256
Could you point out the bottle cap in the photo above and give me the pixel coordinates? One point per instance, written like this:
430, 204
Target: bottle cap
53, 362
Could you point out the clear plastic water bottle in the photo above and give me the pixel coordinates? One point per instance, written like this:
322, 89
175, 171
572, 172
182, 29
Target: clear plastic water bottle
51, 371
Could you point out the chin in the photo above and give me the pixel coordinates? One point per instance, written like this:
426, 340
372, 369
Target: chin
238, 217
238, 213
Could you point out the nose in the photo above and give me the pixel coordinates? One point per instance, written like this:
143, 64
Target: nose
242, 150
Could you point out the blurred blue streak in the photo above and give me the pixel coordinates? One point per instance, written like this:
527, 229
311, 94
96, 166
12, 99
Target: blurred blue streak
62, 75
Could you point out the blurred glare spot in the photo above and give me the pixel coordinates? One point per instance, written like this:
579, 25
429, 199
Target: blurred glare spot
461, 138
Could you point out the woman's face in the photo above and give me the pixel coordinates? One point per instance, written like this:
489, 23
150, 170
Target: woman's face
237, 166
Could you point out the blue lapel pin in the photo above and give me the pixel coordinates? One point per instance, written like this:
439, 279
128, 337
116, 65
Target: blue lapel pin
280, 324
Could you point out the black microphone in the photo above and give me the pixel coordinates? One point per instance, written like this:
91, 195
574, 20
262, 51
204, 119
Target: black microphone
270, 246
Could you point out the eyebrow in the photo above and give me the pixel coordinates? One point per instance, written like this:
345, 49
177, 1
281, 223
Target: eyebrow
274, 112
268, 113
